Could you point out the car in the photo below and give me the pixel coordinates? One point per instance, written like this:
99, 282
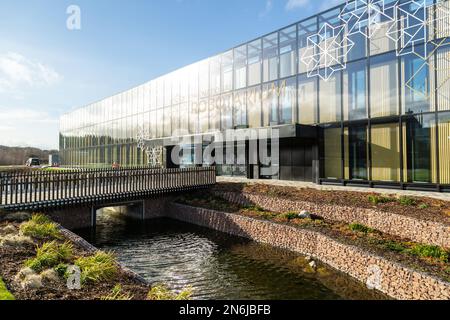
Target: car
33, 162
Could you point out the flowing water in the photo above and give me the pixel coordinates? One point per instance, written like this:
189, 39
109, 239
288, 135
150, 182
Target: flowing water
217, 265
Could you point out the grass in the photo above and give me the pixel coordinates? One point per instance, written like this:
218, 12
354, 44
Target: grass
407, 201
40, 227
289, 215
375, 199
100, 267
4, 293
117, 294
357, 227
161, 292
49, 255
427, 251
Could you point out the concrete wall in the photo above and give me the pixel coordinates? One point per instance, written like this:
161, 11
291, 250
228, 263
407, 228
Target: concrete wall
73, 218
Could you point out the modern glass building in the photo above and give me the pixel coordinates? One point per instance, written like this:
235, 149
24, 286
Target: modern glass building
360, 94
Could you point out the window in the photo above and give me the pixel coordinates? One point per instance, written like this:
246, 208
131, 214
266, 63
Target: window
306, 29
307, 100
355, 106
379, 41
288, 100
240, 109
416, 81
385, 148
240, 67
270, 57
354, 30
444, 147
167, 122
254, 62
203, 115
226, 111
384, 89
330, 99
193, 116
270, 103
214, 76
203, 79
420, 136
288, 49
357, 152
442, 81
332, 158
227, 71
214, 113
254, 106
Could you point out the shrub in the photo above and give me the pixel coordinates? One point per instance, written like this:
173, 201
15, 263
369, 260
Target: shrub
395, 246
407, 201
4, 293
50, 255
61, 270
374, 199
289, 215
356, 227
117, 295
40, 227
100, 267
161, 292
424, 206
427, 251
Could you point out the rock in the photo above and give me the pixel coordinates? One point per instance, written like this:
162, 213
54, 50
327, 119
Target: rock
17, 217
304, 215
23, 273
313, 264
50, 275
9, 229
32, 282
308, 258
15, 241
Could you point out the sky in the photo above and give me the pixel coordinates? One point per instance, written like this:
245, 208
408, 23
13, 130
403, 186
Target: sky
48, 69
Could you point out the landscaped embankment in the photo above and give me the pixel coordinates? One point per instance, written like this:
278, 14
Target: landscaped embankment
421, 220
395, 280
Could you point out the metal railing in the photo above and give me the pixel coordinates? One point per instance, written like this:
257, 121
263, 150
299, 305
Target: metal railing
40, 189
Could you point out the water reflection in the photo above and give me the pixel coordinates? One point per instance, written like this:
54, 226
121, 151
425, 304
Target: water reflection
216, 265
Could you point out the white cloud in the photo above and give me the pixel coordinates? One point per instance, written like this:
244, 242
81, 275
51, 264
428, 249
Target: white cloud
18, 73
268, 7
295, 4
28, 127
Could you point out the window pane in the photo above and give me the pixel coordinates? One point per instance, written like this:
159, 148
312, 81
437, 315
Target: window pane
355, 91
444, 147
240, 67
270, 57
214, 75
307, 100
288, 49
227, 112
355, 138
240, 109
204, 79
254, 107
384, 89
204, 115
270, 104
227, 71
420, 142
442, 81
379, 41
332, 158
288, 101
306, 29
254, 62
214, 113
416, 81
386, 152
330, 99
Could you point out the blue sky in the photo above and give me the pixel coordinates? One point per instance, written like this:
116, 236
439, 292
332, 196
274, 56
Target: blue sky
47, 69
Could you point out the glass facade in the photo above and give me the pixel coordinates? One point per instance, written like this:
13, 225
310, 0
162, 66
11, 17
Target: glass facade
382, 113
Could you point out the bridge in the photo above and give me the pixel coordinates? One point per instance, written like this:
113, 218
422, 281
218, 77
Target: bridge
94, 188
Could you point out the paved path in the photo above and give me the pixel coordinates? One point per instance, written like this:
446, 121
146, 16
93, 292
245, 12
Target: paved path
297, 184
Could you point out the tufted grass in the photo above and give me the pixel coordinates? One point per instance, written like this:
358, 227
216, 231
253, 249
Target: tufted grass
49, 255
4, 293
40, 227
102, 266
117, 294
161, 292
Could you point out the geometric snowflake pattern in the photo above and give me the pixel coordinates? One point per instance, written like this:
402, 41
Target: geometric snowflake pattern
367, 16
326, 51
413, 32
